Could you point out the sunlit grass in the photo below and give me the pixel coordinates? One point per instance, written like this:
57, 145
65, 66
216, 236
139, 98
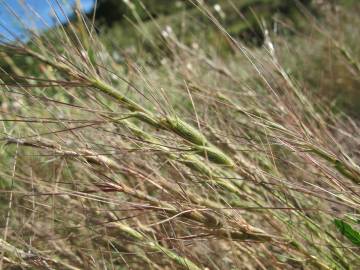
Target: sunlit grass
198, 160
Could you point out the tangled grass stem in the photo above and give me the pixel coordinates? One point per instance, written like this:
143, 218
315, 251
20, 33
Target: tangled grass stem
155, 246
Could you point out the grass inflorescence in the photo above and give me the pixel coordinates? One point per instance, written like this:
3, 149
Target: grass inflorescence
193, 152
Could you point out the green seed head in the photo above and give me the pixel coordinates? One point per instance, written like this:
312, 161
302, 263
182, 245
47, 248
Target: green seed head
215, 155
184, 130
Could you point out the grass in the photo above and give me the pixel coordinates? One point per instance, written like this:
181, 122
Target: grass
215, 155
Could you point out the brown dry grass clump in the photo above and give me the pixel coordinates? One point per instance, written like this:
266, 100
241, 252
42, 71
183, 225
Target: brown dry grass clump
202, 162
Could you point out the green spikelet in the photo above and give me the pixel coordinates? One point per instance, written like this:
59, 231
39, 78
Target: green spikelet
184, 130
203, 147
215, 155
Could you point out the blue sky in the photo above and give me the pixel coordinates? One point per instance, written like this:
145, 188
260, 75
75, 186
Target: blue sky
24, 15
